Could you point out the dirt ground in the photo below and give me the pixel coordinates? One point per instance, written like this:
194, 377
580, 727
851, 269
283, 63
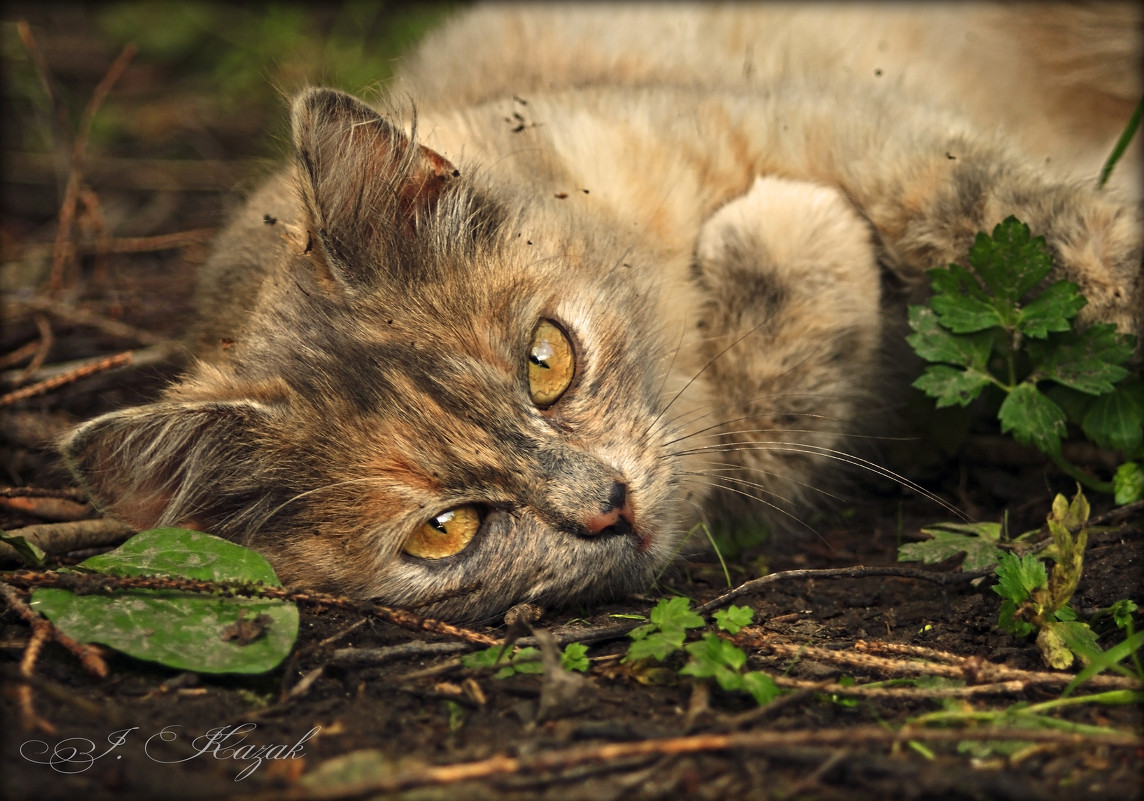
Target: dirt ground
364, 708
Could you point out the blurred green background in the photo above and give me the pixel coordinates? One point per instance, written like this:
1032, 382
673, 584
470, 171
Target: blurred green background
207, 85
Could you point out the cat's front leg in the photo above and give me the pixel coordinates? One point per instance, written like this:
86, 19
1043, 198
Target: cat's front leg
792, 326
927, 210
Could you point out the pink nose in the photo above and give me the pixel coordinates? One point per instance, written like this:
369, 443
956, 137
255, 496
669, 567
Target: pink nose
619, 517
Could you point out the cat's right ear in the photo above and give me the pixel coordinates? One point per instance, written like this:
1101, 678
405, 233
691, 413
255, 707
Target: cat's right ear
184, 463
362, 181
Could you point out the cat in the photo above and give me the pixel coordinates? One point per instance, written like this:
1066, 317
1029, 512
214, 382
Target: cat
611, 271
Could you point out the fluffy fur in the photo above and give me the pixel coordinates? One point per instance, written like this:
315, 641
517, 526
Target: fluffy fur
722, 207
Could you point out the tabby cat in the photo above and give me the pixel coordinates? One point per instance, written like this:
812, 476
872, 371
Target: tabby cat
613, 271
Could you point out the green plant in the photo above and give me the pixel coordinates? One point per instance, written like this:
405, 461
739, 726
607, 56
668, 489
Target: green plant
988, 327
509, 662
1035, 599
711, 657
186, 630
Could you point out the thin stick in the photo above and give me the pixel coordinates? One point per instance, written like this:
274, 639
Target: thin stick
858, 571
83, 371
44, 325
971, 670
546, 762
402, 618
74, 314
75, 176
60, 121
57, 538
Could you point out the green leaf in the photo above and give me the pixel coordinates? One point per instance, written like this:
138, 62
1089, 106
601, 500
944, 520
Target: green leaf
183, 630
761, 686
980, 550
675, 614
658, 646
575, 657
1051, 311
961, 304
1116, 420
950, 385
712, 653
527, 660
1033, 419
486, 658
28, 553
935, 343
1011, 262
1061, 642
1122, 612
734, 618
1091, 361
1019, 576
1128, 483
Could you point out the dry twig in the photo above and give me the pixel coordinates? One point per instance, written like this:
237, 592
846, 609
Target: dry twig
58, 538
83, 371
857, 571
549, 762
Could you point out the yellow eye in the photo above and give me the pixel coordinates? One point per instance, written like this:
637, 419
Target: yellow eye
446, 534
551, 364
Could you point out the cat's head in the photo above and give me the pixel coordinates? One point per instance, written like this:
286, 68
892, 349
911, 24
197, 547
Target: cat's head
446, 396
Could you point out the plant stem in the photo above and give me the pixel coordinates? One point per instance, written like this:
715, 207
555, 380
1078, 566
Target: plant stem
1121, 144
1084, 478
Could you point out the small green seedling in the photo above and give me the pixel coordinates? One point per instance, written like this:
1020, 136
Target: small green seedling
989, 326
524, 660
711, 657
1035, 598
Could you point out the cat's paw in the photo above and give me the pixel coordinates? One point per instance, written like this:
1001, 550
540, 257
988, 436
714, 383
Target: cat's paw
796, 260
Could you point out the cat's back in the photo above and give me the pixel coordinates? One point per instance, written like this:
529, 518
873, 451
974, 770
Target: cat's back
1074, 65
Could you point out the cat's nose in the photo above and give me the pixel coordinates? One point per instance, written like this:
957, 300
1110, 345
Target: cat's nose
617, 516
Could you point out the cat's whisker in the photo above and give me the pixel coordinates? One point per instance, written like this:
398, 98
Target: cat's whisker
755, 469
827, 453
756, 498
695, 378
715, 427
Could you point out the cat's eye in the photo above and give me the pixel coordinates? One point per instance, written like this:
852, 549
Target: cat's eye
551, 364
446, 534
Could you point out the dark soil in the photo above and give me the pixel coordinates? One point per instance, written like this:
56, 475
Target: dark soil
437, 730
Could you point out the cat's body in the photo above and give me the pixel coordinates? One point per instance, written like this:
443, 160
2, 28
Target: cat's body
697, 250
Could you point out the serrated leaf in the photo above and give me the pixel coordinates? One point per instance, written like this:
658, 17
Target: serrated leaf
934, 343
734, 618
1032, 419
1091, 361
980, 553
962, 305
950, 385
710, 653
1019, 576
183, 630
656, 646
1051, 311
675, 614
1116, 420
1011, 261
574, 657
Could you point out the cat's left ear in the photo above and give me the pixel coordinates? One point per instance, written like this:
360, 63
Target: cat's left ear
362, 181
